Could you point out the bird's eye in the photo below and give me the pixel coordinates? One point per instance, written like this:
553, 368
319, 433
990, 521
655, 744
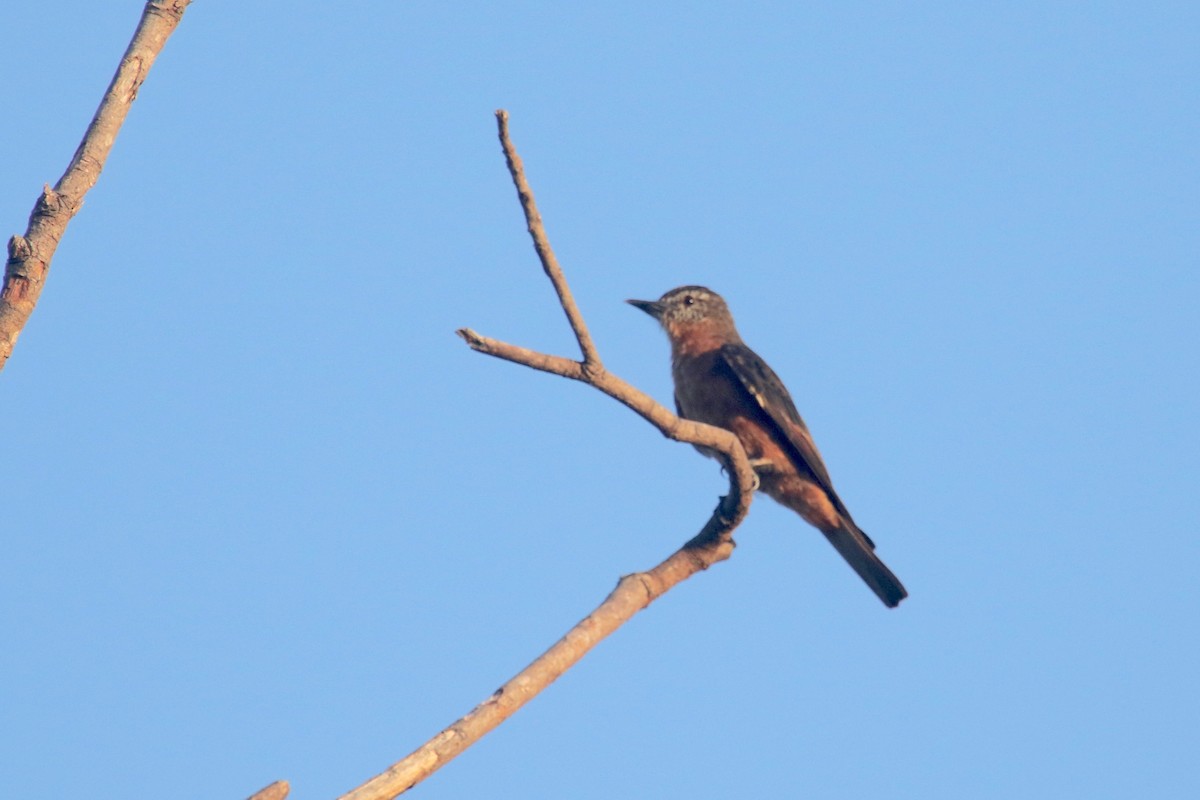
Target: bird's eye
688, 300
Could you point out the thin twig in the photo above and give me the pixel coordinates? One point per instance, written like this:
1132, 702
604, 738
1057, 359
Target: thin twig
714, 543
556, 365
29, 255
533, 221
671, 426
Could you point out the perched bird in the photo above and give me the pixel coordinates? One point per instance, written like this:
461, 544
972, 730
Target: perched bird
722, 382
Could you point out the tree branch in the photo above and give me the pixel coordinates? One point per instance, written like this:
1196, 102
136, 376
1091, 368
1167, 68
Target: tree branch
714, 543
633, 593
29, 255
533, 222
276, 791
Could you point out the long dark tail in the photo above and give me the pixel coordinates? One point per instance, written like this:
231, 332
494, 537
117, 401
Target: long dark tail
859, 551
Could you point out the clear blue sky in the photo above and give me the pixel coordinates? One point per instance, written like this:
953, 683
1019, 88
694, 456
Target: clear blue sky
266, 517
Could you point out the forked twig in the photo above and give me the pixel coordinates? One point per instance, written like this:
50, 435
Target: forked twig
533, 221
712, 544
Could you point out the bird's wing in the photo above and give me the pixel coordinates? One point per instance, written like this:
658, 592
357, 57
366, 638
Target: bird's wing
761, 383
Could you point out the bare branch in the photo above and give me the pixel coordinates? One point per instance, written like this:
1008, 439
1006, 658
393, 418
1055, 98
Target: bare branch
556, 365
671, 426
533, 221
714, 543
633, 593
276, 791
29, 255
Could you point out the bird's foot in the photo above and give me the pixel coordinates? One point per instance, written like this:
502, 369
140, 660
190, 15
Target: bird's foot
762, 466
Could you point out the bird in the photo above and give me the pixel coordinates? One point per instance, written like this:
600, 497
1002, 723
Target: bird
722, 382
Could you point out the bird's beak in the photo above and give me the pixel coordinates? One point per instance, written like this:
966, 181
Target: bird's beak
651, 307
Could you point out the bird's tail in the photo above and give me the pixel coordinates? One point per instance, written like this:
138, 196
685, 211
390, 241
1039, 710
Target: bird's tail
859, 551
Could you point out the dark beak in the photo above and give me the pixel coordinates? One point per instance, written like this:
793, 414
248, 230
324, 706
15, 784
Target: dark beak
651, 307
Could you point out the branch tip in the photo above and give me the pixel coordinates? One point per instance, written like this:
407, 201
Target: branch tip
474, 340
276, 791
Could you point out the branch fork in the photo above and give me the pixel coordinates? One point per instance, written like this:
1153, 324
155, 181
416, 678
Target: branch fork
714, 542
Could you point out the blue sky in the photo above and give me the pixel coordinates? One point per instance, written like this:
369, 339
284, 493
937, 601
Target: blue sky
267, 517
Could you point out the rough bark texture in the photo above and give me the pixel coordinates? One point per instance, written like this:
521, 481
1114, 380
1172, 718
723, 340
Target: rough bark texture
29, 255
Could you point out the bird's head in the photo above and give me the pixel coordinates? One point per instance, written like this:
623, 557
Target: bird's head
691, 312
685, 304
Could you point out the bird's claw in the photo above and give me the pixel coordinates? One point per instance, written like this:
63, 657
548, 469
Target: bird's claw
760, 467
